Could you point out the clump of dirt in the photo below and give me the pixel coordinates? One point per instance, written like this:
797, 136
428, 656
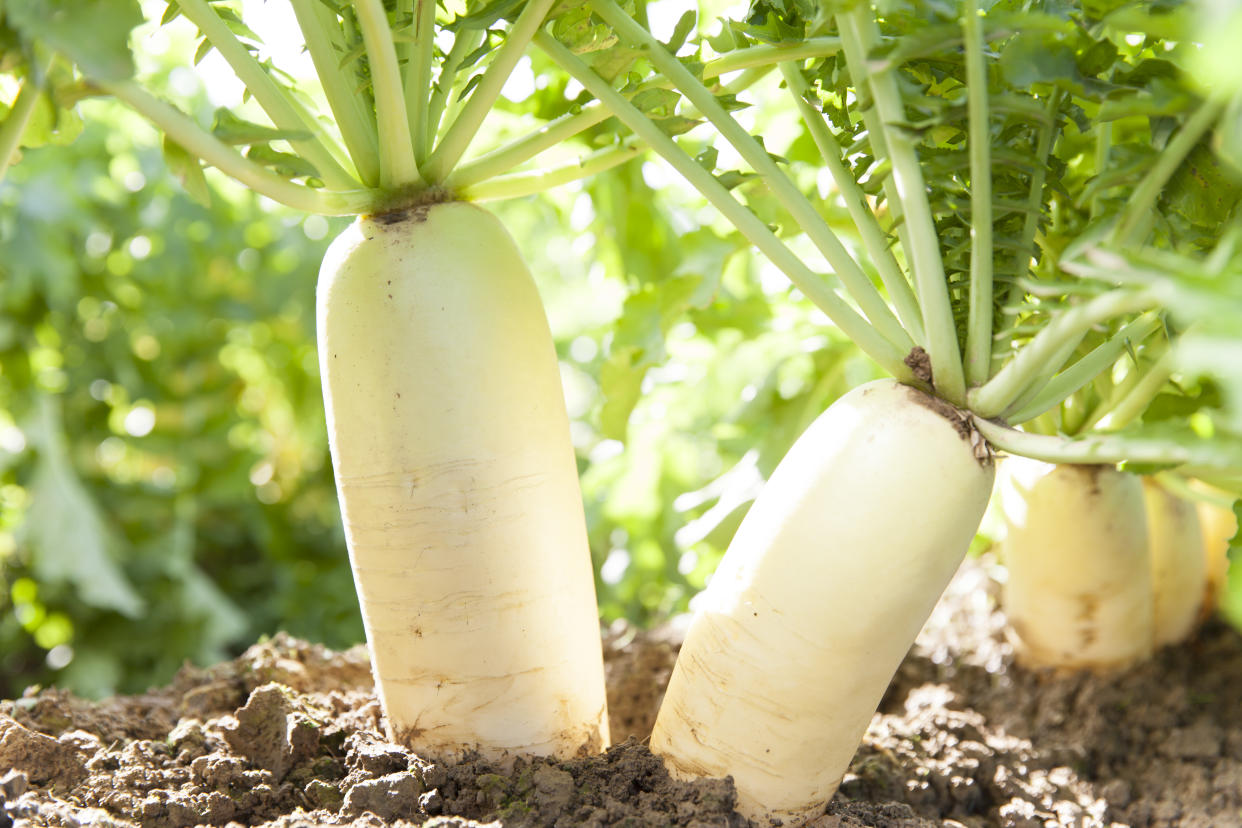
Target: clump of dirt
290, 734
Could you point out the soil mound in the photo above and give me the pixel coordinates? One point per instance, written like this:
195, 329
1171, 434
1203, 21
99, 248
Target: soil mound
290, 734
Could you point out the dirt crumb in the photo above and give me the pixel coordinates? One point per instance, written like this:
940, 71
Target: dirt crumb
919, 361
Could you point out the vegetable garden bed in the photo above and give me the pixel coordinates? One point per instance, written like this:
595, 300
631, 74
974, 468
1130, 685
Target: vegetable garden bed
289, 735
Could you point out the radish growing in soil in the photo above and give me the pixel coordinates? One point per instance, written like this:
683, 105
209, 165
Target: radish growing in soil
1078, 593
959, 287
954, 288
465, 528
447, 423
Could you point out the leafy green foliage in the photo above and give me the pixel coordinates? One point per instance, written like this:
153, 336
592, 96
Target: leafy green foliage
164, 469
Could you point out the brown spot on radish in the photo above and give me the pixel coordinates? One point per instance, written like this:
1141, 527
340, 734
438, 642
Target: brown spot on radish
1090, 472
1089, 604
960, 421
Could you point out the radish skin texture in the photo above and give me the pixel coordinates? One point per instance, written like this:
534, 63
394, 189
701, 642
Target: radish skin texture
1178, 565
827, 582
1218, 525
1079, 589
459, 488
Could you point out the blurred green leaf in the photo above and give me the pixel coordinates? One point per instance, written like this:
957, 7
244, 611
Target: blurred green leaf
69, 530
189, 171
95, 33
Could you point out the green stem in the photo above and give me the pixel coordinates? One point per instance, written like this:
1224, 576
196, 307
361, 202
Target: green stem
463, 129
1107, 449
874, 239
1113, 396
1103, 148
418, 76
1056, 360
1026, 249
397, 166
1135, 219
1034, 366
1084, 370
463, 44
856, 59
16, 121
1131, 405
791, 198
285, 113
322, 34
183, 130
747, 223
524, 184
1224, 486
1180, 486
560, 129
772, 54
518, 152
402, 10
979, 323
924, 246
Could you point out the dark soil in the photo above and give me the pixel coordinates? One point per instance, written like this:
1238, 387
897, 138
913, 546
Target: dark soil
290, 735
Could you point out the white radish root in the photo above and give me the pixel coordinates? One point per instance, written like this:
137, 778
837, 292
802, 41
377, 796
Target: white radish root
1079, 589
459, 489
1178, 564
825, 586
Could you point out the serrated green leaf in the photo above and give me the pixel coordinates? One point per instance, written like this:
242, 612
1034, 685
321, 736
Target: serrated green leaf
657, 103
578, 31
685, 25
734, 178
611, 64
203, 50
726, 40
237, 25
707, 158
284, 163
676, 125
1035, 57
474, 81
231, 129
490, 14
1203, 190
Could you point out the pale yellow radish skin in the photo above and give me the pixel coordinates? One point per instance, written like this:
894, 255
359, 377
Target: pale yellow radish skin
826, 584
1078, 594
1219, 525
1178, 565
458, 486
